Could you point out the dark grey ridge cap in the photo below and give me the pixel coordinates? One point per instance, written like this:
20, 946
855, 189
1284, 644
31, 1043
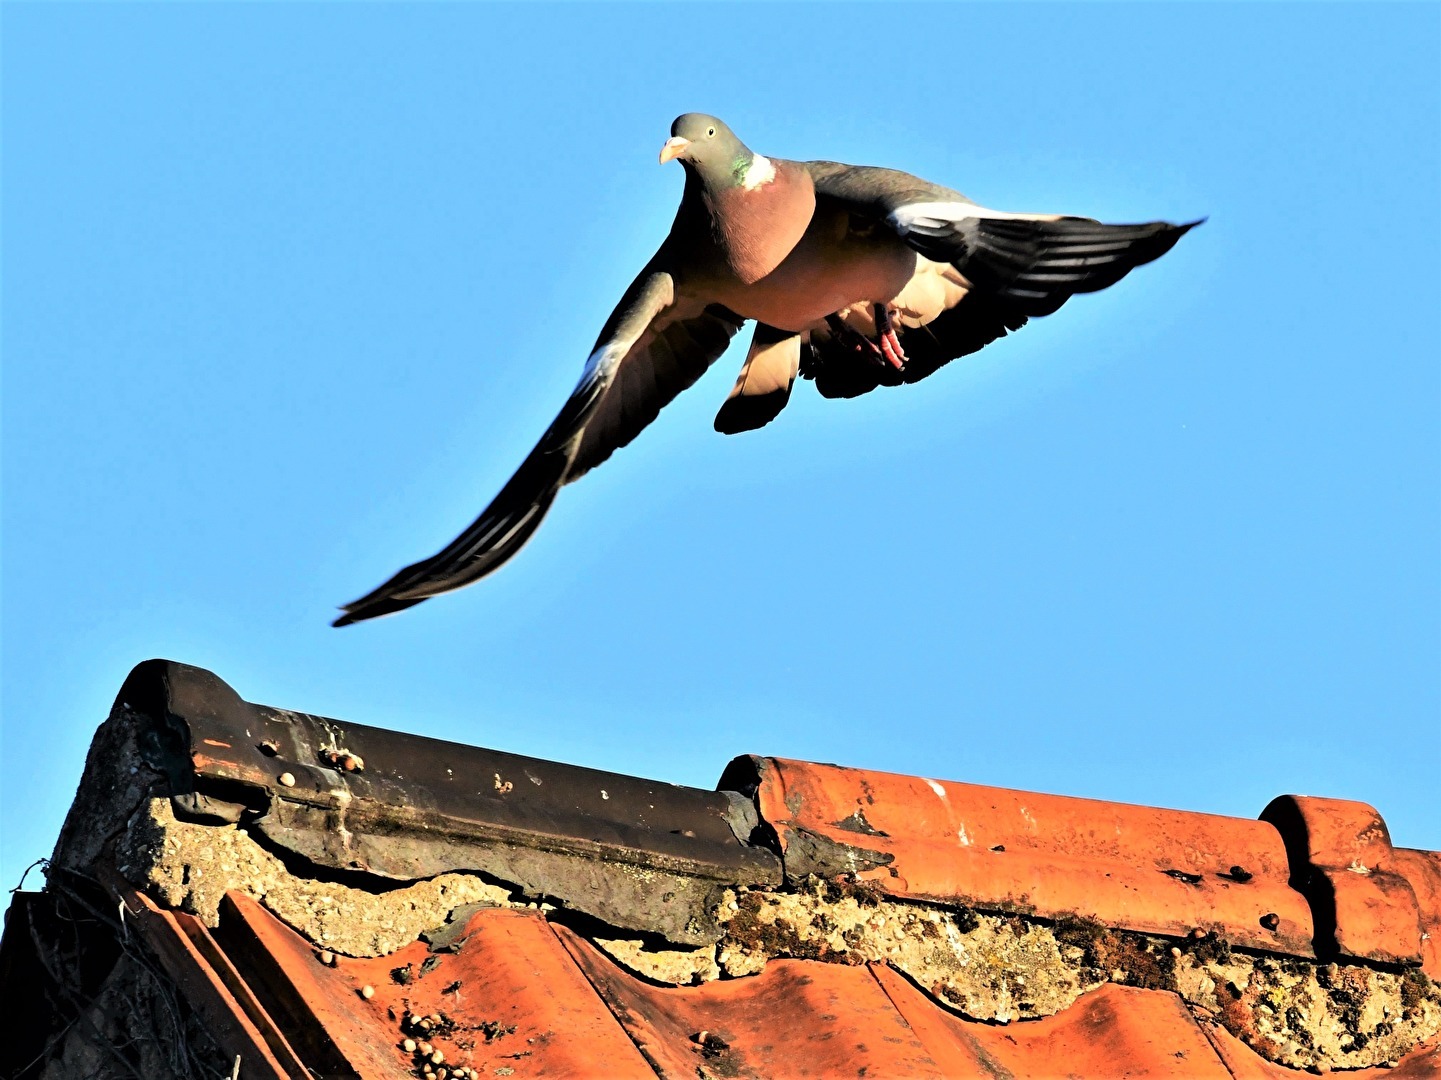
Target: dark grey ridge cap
354, 798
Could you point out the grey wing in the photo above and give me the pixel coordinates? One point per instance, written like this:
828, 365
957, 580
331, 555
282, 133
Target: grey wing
1004, 267
654, 345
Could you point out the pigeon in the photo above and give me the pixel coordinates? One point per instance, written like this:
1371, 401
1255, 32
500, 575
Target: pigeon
857, 277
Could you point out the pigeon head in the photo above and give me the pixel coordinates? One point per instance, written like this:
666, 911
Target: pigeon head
704, 145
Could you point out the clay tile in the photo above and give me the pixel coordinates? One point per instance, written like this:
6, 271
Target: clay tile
508, 995
1342, 860
795, 1019
1243, 1063
1113, 1031
317, 1005
211, 985
1131, 867
1423, 870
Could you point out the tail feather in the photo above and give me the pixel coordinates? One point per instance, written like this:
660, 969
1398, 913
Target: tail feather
764, 384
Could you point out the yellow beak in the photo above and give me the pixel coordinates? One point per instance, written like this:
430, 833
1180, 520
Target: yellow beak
673, 148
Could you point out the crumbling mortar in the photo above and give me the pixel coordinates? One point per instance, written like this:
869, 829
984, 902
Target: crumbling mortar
190, 867
986, 966
1003, 968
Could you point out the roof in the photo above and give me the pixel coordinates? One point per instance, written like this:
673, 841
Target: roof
315, 897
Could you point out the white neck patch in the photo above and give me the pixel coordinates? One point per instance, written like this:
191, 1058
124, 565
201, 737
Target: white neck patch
760, 172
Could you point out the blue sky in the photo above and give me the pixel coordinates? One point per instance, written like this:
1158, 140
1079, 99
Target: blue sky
290, 290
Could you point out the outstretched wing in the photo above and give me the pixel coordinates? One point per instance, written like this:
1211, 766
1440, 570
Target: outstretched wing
653, 346
1035, 263
996, 269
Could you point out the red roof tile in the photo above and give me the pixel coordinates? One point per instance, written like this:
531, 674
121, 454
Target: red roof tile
520, 996
509, 993
1133, 867
320, 1007
530, 992
1115, 1031
796, 1018
1422, 869
214, 987
1243, 1063
1343, 863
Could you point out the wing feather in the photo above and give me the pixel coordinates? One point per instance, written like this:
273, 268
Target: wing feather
1011, 266
653, 346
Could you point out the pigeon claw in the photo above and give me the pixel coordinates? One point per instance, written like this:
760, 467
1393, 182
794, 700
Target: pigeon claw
854, 340
885, 350
890, 344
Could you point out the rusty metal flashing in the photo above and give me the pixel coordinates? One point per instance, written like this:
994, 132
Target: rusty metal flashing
635, 853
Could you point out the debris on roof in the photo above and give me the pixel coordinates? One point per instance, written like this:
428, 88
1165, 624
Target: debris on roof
310, 897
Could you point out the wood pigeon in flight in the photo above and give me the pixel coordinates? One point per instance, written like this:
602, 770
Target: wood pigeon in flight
857, 277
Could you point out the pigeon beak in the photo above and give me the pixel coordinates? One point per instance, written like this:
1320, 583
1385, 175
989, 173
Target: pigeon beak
674, 147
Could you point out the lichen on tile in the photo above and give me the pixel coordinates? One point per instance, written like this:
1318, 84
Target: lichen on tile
1009, 968
989, 967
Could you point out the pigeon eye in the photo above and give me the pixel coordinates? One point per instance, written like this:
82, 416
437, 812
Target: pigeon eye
710, 133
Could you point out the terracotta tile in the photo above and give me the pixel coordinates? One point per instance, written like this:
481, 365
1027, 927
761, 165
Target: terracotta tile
1115, 1031
797, 1018
1423, 1063
333, 1029
511, 998
1423, 870
952, 1042
518, 999
1342, 860
1131, 867
210, 985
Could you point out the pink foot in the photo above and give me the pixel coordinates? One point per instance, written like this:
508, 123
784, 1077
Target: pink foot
885, 349
886, 336
854, 339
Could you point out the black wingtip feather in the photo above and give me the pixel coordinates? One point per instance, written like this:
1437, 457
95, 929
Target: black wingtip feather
489, 542
371, 607
1020, 268
1040, 264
